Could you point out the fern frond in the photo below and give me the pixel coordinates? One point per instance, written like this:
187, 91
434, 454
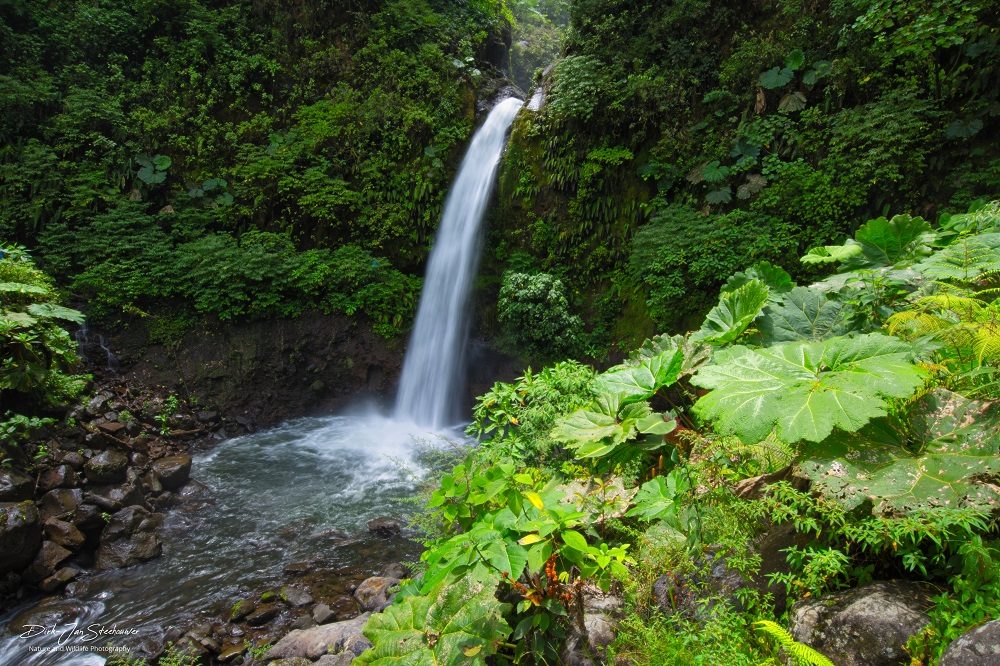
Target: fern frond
800, 652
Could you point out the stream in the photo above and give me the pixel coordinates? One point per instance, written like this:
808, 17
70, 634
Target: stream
302, 492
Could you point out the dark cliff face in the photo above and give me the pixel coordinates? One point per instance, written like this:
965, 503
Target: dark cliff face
265, 371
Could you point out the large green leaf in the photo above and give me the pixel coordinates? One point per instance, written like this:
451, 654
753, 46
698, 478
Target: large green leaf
878, 243
803, 390
53, 311
462, 624
694, 354
735, 312
802, 314
943, 456
640, 380
776, 278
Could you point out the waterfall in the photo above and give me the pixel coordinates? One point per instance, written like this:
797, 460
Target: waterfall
434, 360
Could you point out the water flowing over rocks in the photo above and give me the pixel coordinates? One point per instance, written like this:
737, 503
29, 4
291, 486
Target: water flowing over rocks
866, 626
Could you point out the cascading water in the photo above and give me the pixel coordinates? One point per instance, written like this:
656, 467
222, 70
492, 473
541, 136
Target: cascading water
427, 389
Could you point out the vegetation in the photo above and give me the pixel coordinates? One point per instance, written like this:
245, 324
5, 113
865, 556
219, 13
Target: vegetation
579, 474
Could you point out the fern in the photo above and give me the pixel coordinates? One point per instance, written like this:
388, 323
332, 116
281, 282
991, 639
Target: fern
800, 652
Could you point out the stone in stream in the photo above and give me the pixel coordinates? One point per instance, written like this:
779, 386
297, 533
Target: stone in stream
106, 467
976, 647
173, 471
129, 538
315, 642
60, 502
263, 614
46, 561
322, 614
20, 535
15, 486
240, 610
58, 579
303, 622
373, 593
60, 476
48, 612
63, 533
114, 498
295, 596
396, 570
385, 526
866, 626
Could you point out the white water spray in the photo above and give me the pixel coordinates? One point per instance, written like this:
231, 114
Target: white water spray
434, 360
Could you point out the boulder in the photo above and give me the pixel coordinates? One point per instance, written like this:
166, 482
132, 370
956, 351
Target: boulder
63, 533
173, 471
48, 612
60, 476
60, 502
303, 622
15, 486
106, 467
373, 593
396, 570
341, 659
322, 614
74, 460
385, 526
46, 562
114, 498
601, 614
976, 647
20, 535
88, 518
263, 614
241, 609
866, 626
58, 579
316, 641
129, 538
295, 596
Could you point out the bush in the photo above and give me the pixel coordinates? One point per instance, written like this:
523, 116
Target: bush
535, 316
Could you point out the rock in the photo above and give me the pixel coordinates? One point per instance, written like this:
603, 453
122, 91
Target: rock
240, 610
396, 570
263, 614
20, 535
15, 486
601, 613
296, 597
322, 614
129, 538
297, 568
866, 626
152, 482
342, 659
46, 561
303, 622
976, 647
60, 502
315, 642
59, 578
96, 405
385, 526
292, 661
88, 518
106, 467
74, 460
173, 471
63, 533
230, 653
60, 476
208, 417
139, 459
114, 498
49, 612
373, 593
112, 427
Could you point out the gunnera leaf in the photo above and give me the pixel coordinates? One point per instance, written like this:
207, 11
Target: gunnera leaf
943, 455
802, 314
804, 390
776, 278
461, 624
776, 77
735, 312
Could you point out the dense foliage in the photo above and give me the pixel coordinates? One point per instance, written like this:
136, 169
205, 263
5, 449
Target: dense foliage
585, 479
681, 141
227, 158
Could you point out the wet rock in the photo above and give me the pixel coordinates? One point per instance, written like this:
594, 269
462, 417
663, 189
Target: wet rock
192, 490
60, 476
112, 427
385, 526
46, 613
322, 614
208, 417
297, 568
88, 518
60, 502
114, 498
976, 647
303, 622
20, 535
315, 642
74, 460
866, 626
263, 614
96, 405
173, 471
293, 661
63, 533
46, 561
373, 593
58, 579
106, 467
240, 610
396, 570
230, 654
129, 538
296, 597
15, 486
342, 659
139, 459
